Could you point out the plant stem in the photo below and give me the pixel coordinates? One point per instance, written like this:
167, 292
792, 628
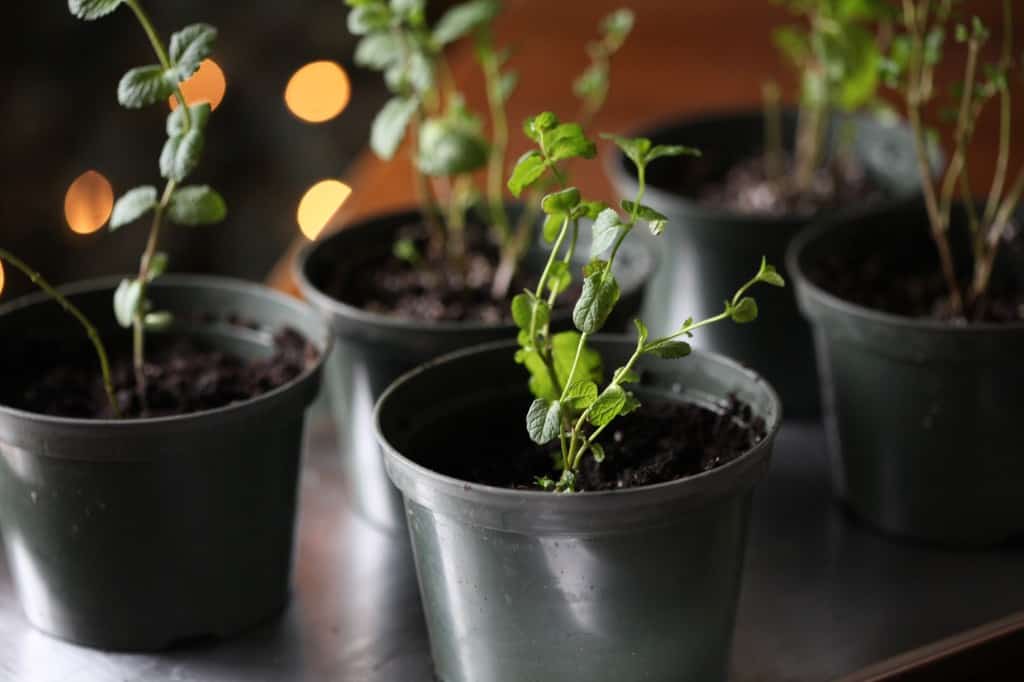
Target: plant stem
772, 131
1003, 157
161, 53
90, 330
499, 135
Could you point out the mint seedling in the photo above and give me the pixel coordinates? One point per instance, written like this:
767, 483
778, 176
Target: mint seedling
90, 329
837, 58
449, 139
910, 67
566, 375
186, 125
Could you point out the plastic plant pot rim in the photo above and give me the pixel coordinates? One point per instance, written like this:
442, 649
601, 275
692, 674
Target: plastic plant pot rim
615, 164
826, 299
718, 481
197, 420
324, 301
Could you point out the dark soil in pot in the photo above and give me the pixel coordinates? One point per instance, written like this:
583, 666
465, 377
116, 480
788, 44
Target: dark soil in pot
61, 378
662, 441
434, 289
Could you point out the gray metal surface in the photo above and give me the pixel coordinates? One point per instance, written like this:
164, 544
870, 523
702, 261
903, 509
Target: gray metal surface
823, 596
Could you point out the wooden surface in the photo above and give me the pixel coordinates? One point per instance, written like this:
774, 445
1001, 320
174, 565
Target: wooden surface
684, 56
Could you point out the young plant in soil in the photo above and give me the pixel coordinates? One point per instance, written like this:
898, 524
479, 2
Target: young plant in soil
910, 67
570, 406
71, 309
836, 57
449, 140
181, 204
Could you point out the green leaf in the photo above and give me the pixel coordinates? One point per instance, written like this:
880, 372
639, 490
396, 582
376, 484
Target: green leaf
126, 301
596, 266
567, 141
158, 321
597, 450
144, 85
589, 209
560, 277
592, 81
420, 73
618, 25
769, 275
544, 482
507, 84
446, 149
608, 405
92, 9
581, 394
660, 150
560, 203
196, 205
527, 171
669, 349
157, 266
543, 421
132, 205
535, 126
181, 155
461, 19
563, 352
523, 311
792, 42
390, 125
606, 230
405, 250
632, 404
407, 7
190, 46
635, 148
654, 219
367, 18
744, 311
379, 51
599, 296
628, 376
199, 113
552, 226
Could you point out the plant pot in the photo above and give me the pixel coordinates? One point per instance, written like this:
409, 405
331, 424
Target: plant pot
374, 349
634, 584
923, 417
711, 251
136, 534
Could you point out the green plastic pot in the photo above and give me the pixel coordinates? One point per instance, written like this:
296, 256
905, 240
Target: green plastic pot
709, 252
923, 417
635, 584
137, 534
374, 349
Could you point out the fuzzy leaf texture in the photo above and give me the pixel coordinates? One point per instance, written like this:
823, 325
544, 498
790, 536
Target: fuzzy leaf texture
543, 421
198, 113
368, 17
132, 205
181, 154
144, 85
608, 405
606, 231
196, 205
390, 125
527, 171
567, 141
669, 350
190, 46
379, 51
561, 203
461, 19
126, 301
92, 9
599, 296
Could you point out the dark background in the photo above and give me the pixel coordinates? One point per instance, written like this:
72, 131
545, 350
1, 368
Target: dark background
60, 118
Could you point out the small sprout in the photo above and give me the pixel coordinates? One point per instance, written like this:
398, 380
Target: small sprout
406, 250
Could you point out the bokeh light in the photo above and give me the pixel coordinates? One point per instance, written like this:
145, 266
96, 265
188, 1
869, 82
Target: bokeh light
208, 84
2, 280
88, 202
319, 203
318, 92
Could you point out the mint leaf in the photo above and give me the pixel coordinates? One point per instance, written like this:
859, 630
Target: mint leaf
654, 219
567, 141
158, 321
606, 231
769, 275
368, 17
92, 9
461, 19
157, 266
196, 205
661, 150
635, 149
190, 46
744, 311
581, 394
552, 226
599, 296
181, 155
535, 126
560, 277
132, 205
527, 171
126, 301
446, 148
543, 421
607, 406
523, 311
560, 203
379, 51
144, 85
597, 450
641, 330
199, 113
390, 125
669, 350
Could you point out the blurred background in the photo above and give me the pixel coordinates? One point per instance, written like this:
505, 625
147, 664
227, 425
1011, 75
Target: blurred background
62, 121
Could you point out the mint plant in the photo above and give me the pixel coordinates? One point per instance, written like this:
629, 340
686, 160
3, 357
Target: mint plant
910, 68
837, 57
189, 205
449, 140
570, 405
71, 309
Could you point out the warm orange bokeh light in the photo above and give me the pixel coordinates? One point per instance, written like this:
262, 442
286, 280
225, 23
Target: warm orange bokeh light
1, 278
88, 202
205, 85
318, 92
319, 203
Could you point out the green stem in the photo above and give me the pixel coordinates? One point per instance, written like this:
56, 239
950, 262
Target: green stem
90, 330
499, 136
161, 53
